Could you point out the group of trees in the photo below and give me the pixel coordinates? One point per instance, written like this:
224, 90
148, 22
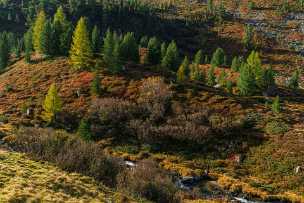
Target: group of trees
49, 37
9, 44
118, 49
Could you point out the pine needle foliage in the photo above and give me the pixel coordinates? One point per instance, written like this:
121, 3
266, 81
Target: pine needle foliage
81, 53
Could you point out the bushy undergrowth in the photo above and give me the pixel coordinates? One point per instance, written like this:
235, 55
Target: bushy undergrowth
276, 127
149, 181
155, 118
67, 151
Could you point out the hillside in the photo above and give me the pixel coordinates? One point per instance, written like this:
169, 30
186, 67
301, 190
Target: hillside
168, 101
24, 180
266, 164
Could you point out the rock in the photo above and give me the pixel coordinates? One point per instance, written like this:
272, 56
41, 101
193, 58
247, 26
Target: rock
130, 164
299, 169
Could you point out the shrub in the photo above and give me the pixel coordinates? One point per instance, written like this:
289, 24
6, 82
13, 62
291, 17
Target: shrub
110, 115
154, 95
276, 127
149, 181
192, 127
226, 123
68, 152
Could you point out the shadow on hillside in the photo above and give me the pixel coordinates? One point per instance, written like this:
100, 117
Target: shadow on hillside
217, 147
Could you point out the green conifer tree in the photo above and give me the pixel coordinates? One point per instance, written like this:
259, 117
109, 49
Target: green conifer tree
95, 88
4, 53
117, 59
28, 45
198, 58
108, 47
222, 78
218, 57
47, 37
144, 41
183, 71
81, 53
62, 32
129, 48
84, 130
51, 105
255, 64
163, 50
196, 74
37, 31
276, 106
154, 51
236, 64
293, 82
246, 82
96, 42
248, 37
206, 60
171, 58
211, 78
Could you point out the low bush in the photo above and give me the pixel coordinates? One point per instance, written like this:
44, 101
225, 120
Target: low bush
149, 181
69, 152
155, 95
110, 116
276, 127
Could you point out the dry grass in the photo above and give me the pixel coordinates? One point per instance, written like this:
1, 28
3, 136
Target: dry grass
24, 180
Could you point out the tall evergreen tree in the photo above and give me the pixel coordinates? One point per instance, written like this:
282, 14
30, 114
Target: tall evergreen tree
293, 82
4, 53
236, 64
211, 78
246, 82
117, 59
222, 79
198, 58
84, 130
276, 106
154, 51
248, 37
95, 88
108, 47
218, 57
183, 71
143, 42
255, 64
268, 79
95, 38
37, 31
170, 60
129, 48
51, 105
62, 32
206, 60
163, 50
196, 74
47, 36
81, 53
28, 45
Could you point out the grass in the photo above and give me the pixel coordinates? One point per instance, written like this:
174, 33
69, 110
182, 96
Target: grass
24, 180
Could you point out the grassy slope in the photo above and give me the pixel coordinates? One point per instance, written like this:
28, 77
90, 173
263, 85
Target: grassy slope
22, 179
